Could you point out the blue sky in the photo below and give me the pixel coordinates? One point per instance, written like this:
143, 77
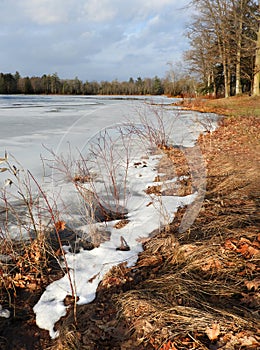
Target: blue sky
92, 39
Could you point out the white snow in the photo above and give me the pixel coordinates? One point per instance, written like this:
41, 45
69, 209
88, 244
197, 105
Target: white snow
89, 267
29, 122
4, 312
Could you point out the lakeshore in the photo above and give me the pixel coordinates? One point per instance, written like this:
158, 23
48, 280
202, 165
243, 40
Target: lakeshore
197, 289
133, 305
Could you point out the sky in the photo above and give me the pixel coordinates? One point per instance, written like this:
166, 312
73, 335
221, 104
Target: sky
92, 39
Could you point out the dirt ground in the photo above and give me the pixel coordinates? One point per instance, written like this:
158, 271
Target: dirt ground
197, 289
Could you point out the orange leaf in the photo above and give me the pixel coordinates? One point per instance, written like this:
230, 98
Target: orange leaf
60, 225
247, 250
253, 284
213, 332
230, 244
243, 249
168, 346
253, 251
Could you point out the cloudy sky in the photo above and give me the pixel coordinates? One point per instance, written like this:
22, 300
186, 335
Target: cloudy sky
92, 39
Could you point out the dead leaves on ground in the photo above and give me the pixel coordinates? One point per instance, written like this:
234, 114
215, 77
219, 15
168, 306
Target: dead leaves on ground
154, 190
241, 340
122, 223
213, 331
253, 285
26, 268
243, 246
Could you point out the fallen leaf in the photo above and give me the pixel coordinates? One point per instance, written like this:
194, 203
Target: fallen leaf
249, 341
211, 264
70, 300
253, 251
121, 223
93, 277
253, 284
230, 244
60, 225
213, 332
168, 346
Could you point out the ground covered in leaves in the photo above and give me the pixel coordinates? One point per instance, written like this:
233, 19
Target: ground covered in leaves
232, 106
197, 289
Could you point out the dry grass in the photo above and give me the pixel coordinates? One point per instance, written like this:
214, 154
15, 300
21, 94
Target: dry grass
207, 275
69, 339
232, 106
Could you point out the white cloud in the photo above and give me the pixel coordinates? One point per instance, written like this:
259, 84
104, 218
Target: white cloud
93, 39
45, 11
99, 10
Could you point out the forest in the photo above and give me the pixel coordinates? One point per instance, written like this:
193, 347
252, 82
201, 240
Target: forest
52, 84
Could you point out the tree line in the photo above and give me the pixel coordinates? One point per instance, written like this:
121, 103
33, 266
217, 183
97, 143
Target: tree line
52, 84
225, 46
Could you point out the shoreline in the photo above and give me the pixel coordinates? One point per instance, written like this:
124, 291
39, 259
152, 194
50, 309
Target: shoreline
138, 298
219, 253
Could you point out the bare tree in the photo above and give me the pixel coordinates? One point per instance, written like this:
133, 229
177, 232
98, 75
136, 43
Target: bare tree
256, 88
230, 26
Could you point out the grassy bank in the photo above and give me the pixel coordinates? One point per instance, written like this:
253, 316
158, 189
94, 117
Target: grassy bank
233, 106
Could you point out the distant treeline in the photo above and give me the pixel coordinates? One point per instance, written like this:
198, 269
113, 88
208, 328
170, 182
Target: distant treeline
52, 84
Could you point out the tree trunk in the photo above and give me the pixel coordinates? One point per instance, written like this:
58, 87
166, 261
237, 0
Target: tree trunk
238, 54
208, 84
213, 82
226, 76
256, 88
238, 73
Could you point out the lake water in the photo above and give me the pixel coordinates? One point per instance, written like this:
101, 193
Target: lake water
30, 124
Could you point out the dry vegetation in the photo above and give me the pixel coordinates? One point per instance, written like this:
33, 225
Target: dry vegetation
202, 289
232, 106
193, 290
198, 289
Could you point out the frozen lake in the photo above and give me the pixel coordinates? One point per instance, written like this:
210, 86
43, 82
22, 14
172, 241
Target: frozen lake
31, 123
28, 124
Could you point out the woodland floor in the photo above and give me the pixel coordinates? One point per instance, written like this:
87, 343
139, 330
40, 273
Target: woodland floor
193, 290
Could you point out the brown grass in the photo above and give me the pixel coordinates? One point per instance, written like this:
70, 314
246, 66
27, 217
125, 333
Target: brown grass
208, 275
232, 106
